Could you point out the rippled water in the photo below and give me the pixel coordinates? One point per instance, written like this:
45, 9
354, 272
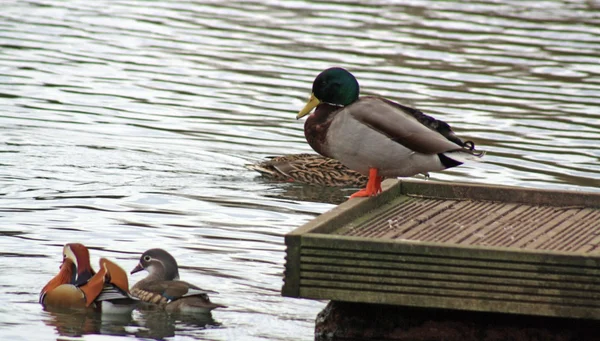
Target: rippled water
126, 125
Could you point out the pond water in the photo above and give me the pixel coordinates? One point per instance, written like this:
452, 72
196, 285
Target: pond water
126, 125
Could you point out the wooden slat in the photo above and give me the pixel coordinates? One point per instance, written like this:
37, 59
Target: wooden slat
409, 287
291, 273
553, 286
428, 300
468, 222
493, 270
499, 194
350, 210
450, 251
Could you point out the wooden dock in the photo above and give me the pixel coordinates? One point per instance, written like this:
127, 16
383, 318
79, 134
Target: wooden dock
454, 246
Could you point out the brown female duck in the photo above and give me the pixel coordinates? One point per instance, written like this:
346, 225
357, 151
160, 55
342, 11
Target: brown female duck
163, 288
310, 169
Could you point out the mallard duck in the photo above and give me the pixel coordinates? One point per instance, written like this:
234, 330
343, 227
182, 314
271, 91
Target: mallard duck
376, 136
163, 288
77, 285
310, 169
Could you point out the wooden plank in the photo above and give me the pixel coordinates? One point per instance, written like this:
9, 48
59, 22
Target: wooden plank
349, 243
410, 288
524, 280
587, 294
498, 193
488, 266
426, 300
350, 210
291, 274
363, 216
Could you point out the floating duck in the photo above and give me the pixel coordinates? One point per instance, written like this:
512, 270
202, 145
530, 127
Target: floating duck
77, 285
375, 136
163, 288
311, 169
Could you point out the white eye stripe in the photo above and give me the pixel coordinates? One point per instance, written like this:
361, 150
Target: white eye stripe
68, 253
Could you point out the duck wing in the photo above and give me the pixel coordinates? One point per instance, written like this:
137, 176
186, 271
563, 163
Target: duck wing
430, 122
172, 290
115, 275
112, 293
398, 124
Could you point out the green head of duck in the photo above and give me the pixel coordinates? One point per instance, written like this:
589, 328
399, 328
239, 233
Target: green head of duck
335, 86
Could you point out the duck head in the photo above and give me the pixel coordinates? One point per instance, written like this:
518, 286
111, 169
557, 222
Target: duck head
335, 86
159, 264
79, 255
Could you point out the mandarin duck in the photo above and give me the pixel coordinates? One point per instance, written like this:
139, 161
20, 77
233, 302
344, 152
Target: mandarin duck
311, 169
77, 285
163, 288
375, 136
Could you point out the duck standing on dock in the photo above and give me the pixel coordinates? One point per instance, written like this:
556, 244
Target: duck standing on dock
77, 285
375, 136
163, 288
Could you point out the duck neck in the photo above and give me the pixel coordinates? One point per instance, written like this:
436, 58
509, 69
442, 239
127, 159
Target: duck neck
316, 126
160, 273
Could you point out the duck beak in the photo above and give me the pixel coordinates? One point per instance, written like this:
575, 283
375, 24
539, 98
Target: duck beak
137, 268
310, 105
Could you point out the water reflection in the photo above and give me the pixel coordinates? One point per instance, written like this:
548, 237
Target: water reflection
157, 324
126, 125
146, 323
306, 192
76, 323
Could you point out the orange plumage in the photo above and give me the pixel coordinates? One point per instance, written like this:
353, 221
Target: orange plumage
77, 285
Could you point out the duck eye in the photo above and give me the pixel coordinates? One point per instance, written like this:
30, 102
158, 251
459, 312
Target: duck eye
147, 258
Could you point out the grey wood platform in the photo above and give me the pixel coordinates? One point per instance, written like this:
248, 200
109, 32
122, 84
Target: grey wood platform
456, 246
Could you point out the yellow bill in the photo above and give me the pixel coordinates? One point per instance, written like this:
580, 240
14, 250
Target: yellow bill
310, 105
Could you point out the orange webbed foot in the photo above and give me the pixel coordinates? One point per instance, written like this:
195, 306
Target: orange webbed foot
360, 194
373, 185
378, 184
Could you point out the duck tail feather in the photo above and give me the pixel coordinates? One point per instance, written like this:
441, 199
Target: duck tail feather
458, 157
469, 146
261, 169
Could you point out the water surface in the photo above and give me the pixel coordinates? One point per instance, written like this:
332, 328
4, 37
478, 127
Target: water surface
126, 125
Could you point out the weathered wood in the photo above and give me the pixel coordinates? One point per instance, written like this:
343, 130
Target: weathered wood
510, 281
451, 288
499, 193
432, 299
402, 260
291, 273
363, 251
349, 243
352, 209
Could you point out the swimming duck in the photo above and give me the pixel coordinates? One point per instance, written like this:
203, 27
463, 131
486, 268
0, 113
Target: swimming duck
376, 136
77, 285
163, 287
310, 169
